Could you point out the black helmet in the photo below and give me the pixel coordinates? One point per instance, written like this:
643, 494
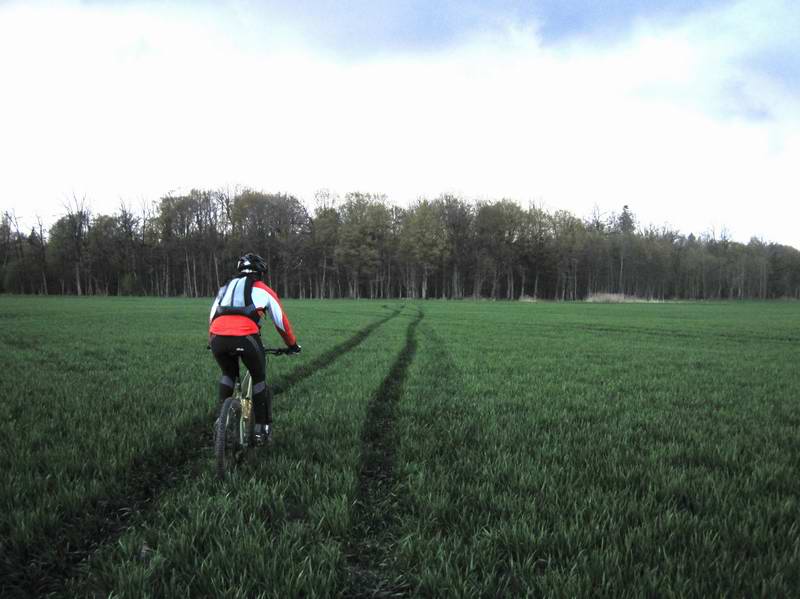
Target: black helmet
251, 264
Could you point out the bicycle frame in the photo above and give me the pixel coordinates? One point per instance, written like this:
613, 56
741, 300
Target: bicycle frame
244, 391
230, 441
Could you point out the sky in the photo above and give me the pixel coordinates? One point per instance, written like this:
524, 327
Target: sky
687, 111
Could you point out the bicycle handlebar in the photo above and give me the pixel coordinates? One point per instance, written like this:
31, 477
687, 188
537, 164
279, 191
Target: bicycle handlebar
276, 352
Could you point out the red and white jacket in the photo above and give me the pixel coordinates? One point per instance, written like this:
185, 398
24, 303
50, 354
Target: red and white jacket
266, 301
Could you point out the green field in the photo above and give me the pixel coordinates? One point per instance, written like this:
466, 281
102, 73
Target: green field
421, 449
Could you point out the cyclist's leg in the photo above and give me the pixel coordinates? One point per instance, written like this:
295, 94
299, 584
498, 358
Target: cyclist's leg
223, 349
255, 360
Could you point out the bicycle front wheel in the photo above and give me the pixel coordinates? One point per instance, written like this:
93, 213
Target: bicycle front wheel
227, 444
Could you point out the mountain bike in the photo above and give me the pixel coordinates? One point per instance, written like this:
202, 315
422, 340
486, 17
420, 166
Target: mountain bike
234, 429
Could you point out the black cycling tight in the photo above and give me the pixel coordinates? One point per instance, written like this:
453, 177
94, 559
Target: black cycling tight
227, 351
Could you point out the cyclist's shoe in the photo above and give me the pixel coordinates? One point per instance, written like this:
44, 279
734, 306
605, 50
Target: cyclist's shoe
263, 434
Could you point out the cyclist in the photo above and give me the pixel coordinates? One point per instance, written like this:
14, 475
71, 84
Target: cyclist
234, 333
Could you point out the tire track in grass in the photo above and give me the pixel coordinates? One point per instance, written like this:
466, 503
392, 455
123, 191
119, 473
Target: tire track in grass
371, 514
43, 566
325, 360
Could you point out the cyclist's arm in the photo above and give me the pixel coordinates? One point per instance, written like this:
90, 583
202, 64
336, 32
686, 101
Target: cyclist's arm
213, 309
215, 305
266, 299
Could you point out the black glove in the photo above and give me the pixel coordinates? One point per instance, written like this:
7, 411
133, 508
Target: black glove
295, 349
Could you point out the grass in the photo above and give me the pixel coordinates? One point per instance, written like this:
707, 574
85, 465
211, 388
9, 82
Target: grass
116, 410
428, 448
280, 522
603, 450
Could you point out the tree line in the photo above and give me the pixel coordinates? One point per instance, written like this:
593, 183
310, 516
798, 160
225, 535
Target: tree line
361, 246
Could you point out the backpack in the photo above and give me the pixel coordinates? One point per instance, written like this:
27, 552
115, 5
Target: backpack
236, 298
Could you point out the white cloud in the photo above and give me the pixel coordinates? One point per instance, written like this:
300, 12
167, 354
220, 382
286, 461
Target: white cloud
135, 102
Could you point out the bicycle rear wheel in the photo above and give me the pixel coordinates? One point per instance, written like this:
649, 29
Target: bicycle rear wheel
227, 444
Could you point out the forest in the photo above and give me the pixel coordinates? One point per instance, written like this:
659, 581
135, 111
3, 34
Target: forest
362, 246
